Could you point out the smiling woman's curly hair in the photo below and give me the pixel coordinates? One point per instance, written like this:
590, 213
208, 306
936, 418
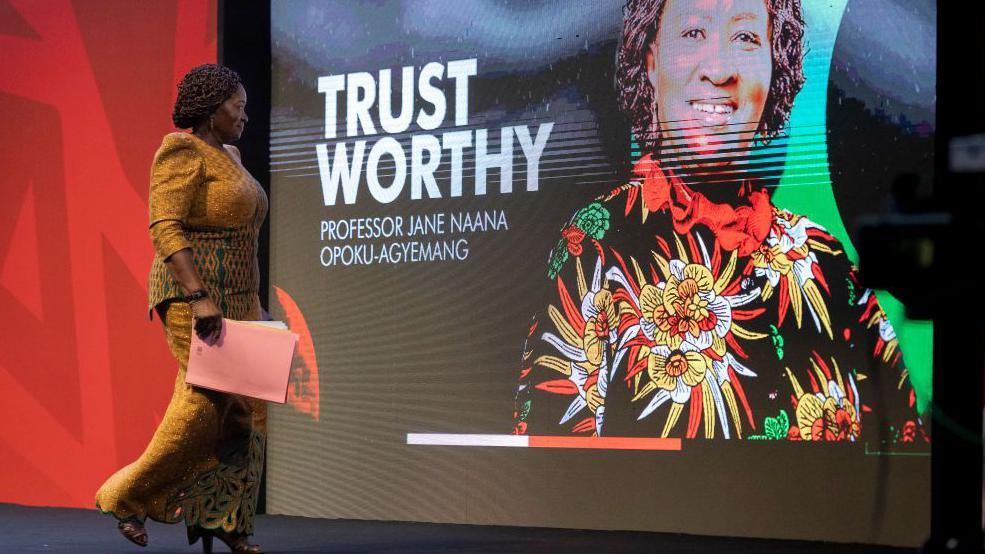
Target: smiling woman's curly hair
641, 19
200, 93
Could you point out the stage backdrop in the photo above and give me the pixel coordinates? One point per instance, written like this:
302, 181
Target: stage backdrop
86, 91
512, 309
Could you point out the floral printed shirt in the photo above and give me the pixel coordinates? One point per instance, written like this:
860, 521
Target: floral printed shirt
671, 315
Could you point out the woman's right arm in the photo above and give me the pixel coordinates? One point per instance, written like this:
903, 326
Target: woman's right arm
176, 174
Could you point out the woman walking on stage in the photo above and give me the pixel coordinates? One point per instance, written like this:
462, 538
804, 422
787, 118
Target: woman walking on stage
203, 465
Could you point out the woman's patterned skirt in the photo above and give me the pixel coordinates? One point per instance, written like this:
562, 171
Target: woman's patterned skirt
203, 465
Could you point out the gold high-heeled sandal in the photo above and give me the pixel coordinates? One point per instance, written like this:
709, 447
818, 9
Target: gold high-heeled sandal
235, 542
195, 533
134, 531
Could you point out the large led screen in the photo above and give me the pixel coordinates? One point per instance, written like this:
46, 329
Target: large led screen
591, 265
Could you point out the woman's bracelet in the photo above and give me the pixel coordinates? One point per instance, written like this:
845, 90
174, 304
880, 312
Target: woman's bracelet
195, 296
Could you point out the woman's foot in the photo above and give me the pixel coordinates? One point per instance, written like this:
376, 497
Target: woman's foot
237, 542
133, 529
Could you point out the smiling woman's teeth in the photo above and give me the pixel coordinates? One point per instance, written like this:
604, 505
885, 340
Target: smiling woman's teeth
713, 108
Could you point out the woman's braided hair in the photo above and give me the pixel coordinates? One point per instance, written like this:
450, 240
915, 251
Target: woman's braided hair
200, 93
641, 19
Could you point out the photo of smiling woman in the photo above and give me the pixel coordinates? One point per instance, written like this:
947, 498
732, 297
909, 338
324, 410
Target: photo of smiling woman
684, 303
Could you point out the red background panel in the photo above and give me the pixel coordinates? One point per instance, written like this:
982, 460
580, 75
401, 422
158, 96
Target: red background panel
86, 90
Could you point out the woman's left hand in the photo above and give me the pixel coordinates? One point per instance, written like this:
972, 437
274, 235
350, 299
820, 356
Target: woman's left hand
207, 320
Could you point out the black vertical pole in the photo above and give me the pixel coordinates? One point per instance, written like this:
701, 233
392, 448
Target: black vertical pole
244, 46
959, 326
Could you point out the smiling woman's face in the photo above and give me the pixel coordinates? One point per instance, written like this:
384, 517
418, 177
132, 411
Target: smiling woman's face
710, 66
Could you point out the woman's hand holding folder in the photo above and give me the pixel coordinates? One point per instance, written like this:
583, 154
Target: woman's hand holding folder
250, 358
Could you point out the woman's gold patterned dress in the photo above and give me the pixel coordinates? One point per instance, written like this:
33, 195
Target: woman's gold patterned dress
203, 464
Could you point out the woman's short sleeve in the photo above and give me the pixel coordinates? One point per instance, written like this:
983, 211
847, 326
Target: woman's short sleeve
176, 174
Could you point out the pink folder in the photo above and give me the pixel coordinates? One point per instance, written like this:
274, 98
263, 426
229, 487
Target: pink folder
247, 359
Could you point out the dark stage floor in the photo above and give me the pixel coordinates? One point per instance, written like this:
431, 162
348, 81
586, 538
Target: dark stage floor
26, 529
